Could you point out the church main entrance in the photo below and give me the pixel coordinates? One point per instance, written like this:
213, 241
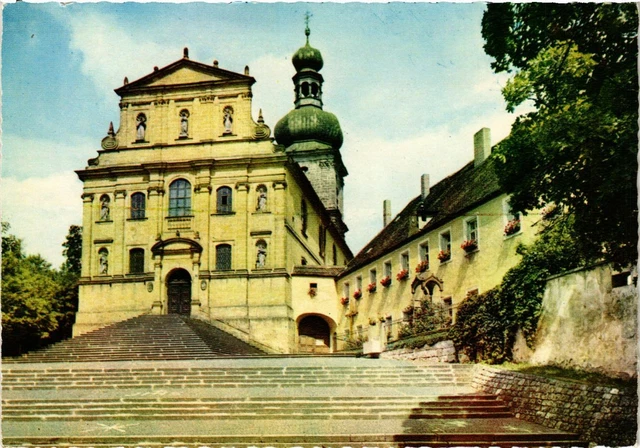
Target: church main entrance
179, 292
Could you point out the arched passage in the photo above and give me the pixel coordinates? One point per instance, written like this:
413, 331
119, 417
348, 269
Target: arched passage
314, 335
179, 292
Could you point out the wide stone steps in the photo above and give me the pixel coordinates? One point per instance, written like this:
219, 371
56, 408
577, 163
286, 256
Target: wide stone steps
435, 376
471, 406
146, 337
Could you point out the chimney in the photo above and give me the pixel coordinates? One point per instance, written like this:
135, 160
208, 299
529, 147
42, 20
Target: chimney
424, 185
386, 212
481, 146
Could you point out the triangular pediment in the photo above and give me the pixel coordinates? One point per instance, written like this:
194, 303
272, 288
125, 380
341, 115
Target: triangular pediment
183, 72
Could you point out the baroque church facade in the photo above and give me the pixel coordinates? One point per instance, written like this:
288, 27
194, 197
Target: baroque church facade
193, 207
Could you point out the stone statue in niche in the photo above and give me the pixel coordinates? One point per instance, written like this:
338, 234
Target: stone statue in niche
184, 123
262, 199
104, 208
104, 261
228, 120
261, 258
141, 126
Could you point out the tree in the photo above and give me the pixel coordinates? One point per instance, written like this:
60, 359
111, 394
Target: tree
576, 64
29, 289
73, 250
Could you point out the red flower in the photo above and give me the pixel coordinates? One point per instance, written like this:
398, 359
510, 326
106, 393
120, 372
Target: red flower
422, 266
402, 275
386, 281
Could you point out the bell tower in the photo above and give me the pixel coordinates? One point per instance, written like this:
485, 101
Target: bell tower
312, 136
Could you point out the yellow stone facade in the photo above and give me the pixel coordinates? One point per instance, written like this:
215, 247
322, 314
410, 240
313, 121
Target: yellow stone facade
190, 207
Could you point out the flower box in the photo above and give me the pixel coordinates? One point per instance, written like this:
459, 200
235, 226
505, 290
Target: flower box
423, 266
512, 227
372, 322
386, 281
344, 301
382, 319
408, 309
357, 294
371, 287
469, 245
351, 314
313, 292
444, 255
402, 275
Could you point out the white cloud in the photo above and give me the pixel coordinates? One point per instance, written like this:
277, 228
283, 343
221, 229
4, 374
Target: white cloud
110, 52
384, 169
40, 210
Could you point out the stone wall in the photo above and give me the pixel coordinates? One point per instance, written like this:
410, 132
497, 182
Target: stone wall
442, 351
602, 415
587, 324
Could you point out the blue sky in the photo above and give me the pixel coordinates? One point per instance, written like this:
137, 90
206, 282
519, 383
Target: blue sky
409, 83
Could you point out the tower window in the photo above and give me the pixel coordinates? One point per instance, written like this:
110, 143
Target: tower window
304, 216
136, 261
180, 198
138, 206
224, 200
223, 257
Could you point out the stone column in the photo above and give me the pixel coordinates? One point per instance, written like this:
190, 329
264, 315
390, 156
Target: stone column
119, 219
243, 244
87, 234
278, 241
157, 306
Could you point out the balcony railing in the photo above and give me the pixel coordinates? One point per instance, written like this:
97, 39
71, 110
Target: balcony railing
179, 222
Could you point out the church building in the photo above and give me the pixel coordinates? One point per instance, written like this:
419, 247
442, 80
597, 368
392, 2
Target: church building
192, 208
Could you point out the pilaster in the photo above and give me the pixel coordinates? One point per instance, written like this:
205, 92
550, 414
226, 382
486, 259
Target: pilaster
87, 233
243, 244
119, 246
278, 240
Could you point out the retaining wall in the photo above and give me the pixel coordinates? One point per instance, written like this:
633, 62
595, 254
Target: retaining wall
442, 351
602, 415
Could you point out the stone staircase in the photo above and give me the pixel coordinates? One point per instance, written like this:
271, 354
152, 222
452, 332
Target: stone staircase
146, 337
277, 402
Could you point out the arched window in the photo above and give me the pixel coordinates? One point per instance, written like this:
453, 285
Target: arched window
304, 217
180, 198
224, 200
136, 261
138, 203
223, 257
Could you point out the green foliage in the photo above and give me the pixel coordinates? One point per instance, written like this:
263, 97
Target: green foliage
428, 317
420, 341
73, 250
577, 64
38, 303
486, 324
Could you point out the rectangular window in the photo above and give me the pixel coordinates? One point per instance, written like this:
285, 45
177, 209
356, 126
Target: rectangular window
359, 282
136, 261
223, 257
448, 303
223, 200
424, 251
373, 276
387, 269
137, 206
345, 290
404, 261
512, 220
445, 247
445, 241
471, 229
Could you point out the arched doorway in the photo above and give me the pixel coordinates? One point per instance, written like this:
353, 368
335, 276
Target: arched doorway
313, 335
179, 292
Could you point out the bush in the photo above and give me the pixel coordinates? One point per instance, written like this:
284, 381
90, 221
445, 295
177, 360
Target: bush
428, 317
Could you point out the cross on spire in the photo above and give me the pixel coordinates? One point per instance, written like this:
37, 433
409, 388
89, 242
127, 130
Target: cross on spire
307, 31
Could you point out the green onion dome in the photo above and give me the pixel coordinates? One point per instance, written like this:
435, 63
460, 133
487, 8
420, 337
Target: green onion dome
309, 123
307, 57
